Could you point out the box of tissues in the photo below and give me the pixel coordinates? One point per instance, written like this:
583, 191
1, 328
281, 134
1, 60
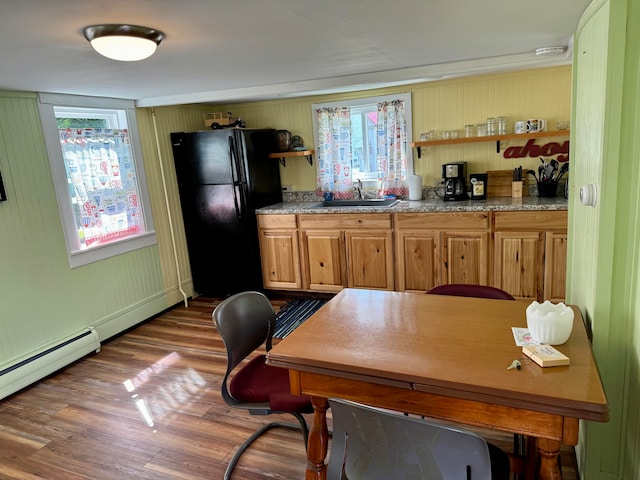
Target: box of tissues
550, 323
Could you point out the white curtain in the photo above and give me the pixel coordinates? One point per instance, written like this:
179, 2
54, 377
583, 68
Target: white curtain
333, 152
392, 149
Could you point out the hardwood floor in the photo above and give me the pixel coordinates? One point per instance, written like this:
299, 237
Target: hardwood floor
148, 406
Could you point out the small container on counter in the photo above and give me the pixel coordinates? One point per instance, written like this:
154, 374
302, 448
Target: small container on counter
478, 183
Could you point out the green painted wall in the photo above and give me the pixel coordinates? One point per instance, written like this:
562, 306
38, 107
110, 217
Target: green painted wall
42, 299
604, 253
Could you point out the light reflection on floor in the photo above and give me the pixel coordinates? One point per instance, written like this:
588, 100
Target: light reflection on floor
191, 383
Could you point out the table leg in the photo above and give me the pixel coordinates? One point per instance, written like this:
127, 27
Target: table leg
318, 441
549, 451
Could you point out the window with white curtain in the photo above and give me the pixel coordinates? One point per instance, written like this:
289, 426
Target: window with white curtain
98, 174
366, 140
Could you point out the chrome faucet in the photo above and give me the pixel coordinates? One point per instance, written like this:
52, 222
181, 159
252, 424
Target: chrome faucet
359, 189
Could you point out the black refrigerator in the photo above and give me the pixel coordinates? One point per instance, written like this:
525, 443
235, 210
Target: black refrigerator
223, 177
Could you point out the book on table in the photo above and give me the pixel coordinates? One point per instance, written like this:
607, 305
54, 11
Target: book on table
545, 355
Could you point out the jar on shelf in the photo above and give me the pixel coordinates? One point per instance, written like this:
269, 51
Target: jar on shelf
469, 131
502, 125
283, 140
481, 130
491, 126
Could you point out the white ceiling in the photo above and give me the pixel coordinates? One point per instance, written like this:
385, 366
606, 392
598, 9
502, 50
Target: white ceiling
256, 49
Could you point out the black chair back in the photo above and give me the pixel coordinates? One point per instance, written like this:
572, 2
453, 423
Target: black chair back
245, 321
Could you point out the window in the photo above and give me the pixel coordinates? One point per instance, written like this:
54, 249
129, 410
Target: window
364, 122
364, 140
96, 163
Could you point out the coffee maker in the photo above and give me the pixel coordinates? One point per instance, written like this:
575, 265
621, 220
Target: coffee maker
454, 176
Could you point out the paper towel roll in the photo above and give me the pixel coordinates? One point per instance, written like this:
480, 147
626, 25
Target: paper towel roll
415, 187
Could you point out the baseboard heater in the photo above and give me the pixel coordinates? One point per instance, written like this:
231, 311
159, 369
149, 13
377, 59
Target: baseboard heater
29, 370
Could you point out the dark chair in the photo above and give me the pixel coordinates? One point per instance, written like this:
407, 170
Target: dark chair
246, 321
468, 290
484, 291
373, 444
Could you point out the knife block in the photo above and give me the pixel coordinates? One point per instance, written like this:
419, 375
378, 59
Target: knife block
499, 183
517, 189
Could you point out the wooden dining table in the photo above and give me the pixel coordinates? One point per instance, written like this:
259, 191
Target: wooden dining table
443, 357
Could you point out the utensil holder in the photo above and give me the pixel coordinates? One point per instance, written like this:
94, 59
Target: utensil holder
547, 189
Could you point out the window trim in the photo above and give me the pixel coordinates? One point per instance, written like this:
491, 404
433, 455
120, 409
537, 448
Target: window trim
76, 256
358, 102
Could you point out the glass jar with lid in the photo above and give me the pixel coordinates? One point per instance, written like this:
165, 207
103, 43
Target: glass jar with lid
491, 126
469, 131
502, 125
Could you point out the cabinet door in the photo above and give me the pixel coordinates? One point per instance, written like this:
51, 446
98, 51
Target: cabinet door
466, 257
280, 259
323, 254
519, 263
418, 260
555, 269
369, 259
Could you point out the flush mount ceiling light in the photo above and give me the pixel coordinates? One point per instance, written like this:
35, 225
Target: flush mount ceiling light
550, 50
127, 43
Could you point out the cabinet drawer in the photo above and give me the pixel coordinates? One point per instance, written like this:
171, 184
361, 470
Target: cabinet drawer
276, 221
344, 221
539, 220
445, 220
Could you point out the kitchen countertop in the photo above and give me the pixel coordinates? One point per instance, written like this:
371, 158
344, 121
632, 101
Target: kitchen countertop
501, 204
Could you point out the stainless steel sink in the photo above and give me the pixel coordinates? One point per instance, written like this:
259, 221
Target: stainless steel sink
372, 202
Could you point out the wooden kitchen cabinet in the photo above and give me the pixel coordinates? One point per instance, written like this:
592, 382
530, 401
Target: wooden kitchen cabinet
279, 252
437, 248
346, 250
530, 252
324, 260
555, 266
522, 252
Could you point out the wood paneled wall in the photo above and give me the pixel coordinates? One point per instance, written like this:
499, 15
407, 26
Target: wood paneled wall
440, 105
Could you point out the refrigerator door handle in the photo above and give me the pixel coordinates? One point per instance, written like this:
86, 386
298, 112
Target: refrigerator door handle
237, 186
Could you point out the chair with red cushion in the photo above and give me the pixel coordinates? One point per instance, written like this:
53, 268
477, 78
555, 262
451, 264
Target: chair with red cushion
246, 321
469, 290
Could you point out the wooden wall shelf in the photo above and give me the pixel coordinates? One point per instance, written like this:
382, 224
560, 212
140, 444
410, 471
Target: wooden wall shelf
284, 155
491, 138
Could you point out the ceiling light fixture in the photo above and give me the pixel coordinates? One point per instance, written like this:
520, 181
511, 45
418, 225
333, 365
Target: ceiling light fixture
550, 50
127, 43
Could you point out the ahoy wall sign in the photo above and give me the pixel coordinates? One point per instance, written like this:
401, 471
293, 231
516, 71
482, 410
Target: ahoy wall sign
547, 150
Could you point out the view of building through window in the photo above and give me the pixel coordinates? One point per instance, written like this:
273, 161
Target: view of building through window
102, 178
364, 120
